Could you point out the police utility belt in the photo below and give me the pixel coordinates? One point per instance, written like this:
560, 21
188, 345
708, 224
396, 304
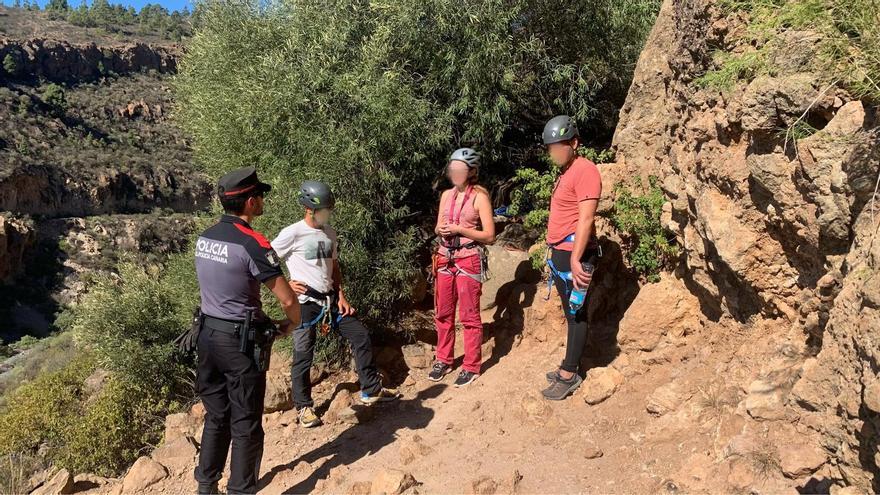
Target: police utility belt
255, 337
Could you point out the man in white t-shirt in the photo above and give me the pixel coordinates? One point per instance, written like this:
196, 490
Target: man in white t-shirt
309, 249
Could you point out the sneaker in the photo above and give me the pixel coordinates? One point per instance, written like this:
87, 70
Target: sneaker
439, 371
384, 395
560, 388
308, 418
465, 377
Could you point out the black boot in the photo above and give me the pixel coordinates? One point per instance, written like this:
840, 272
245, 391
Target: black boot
208, 488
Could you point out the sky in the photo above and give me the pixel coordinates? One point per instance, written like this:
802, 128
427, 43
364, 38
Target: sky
137, 4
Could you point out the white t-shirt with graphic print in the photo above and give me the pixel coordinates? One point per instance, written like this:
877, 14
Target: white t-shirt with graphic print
309, 254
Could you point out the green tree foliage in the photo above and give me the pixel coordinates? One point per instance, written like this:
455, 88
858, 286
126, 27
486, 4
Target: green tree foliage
153, 18
80, 16
372, 96
129, 321
57, 9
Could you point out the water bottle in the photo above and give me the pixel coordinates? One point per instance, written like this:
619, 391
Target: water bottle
578, 296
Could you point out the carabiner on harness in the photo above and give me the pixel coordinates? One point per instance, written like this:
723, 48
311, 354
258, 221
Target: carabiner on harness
327, 319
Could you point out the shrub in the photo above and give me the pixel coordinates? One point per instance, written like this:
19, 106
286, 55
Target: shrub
847, 37
124, 325
15, 472
129, 321
637, 217
40, 411
53, 95
49, 354
100, 433
10, 65
25, 342
371, 97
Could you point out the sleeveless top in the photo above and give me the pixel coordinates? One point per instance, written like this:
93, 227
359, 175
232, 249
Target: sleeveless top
466, 216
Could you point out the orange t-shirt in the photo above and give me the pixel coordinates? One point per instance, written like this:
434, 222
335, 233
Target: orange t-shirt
580, 182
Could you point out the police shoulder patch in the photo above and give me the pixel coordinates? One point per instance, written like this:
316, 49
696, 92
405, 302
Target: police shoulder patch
272, 257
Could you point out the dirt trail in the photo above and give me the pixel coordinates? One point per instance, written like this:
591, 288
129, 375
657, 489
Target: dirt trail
499, 436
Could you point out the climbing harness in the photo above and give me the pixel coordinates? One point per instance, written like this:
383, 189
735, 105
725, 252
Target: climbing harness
555, 273
455, 245
328, 319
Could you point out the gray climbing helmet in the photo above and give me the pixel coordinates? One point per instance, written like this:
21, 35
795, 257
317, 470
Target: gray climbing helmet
316, 195
467, 155
560, 128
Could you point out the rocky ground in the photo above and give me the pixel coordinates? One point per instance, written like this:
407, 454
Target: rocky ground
698, 410
751, 368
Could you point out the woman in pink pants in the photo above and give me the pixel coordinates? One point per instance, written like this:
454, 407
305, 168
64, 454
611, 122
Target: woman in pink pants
464, 225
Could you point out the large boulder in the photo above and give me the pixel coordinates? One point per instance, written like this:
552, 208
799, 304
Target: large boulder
392, 482
659, 310
182, 425
179, 456
665, 399
278, 392
771, 103
509, 269
417, 356
61, 483
144, 473
801, 459
600, 384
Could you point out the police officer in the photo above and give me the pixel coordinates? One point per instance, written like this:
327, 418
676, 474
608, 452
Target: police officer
232, 260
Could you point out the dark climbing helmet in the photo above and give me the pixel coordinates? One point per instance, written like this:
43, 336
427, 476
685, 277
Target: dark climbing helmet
467, 155
316, 195
560, 128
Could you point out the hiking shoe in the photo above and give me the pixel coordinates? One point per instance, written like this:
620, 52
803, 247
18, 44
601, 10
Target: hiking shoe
384, 395
308, 418
465, 377
439, 371
560, 388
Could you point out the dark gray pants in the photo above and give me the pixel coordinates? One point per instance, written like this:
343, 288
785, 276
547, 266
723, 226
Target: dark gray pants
304, 352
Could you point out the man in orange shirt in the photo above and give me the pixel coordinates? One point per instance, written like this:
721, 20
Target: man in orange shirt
571, 237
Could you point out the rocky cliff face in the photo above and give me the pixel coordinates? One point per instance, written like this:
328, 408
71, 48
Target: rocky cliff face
772, 228
16, 237
91, 169
55, 192
61, 61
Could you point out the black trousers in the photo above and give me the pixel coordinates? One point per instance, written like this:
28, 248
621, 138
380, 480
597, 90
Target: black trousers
232, 390
577, 323
304, 352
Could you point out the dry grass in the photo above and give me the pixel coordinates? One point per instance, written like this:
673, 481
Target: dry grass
764, 460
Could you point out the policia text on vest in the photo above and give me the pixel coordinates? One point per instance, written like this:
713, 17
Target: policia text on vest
234, 335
